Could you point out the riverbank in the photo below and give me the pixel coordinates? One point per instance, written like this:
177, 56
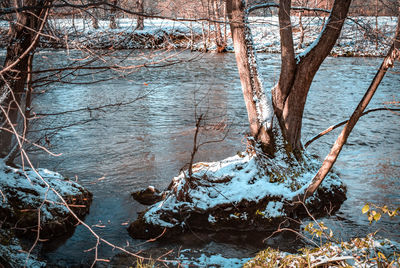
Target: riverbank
358, 252
361, 36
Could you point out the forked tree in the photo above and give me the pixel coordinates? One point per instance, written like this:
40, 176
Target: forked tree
297, 72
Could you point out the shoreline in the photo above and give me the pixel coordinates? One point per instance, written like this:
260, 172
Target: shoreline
357, 38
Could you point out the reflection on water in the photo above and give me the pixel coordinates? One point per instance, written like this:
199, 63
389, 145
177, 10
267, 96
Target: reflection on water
147, 142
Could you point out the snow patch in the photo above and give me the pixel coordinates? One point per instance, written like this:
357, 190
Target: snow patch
234, 180
274, 209
216, 260
31, 191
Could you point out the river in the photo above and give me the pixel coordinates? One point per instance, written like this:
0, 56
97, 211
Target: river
147, 142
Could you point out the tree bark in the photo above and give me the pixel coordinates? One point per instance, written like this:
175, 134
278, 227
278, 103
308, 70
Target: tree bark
24, 38
393, 54
258, 107
290, 94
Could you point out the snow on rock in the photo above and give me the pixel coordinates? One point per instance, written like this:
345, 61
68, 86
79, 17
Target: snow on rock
24, 193
239, 193
12, 254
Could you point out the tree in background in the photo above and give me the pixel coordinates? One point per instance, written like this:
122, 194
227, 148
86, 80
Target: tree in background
140, 19
113, 15
29, 28
94, 16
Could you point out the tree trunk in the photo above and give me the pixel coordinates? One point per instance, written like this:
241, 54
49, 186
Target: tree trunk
259, 109
140, 19
13, 76
297, 73
113, 15
217, 28
94, 16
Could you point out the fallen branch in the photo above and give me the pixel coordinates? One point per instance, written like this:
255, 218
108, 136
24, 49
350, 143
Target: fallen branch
332, 260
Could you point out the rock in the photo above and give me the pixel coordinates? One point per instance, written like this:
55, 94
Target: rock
149, 196
24, 194
13, 255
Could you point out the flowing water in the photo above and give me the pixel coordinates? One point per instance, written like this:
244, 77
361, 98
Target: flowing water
147, 142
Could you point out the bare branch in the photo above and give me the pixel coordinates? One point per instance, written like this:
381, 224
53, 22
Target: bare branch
269, 5
326, 131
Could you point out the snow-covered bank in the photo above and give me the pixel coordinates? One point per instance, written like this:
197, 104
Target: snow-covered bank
370, 251
178, 257
358, 37
240, 193
29, 202
359, 252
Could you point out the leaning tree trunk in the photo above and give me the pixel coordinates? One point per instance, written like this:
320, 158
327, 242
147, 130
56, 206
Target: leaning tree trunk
259, 109
393, 54
24, 38
140, 19
290, 94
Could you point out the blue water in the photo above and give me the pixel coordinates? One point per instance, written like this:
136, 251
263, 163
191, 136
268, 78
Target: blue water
147, 142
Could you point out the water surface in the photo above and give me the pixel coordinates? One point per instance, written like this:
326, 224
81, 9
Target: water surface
147, 142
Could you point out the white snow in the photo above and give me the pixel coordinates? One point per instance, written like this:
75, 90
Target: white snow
360, 252
265, 110
274, 209
216, 260
16, 257
355, 39
211, 219
236, 179
17, 182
